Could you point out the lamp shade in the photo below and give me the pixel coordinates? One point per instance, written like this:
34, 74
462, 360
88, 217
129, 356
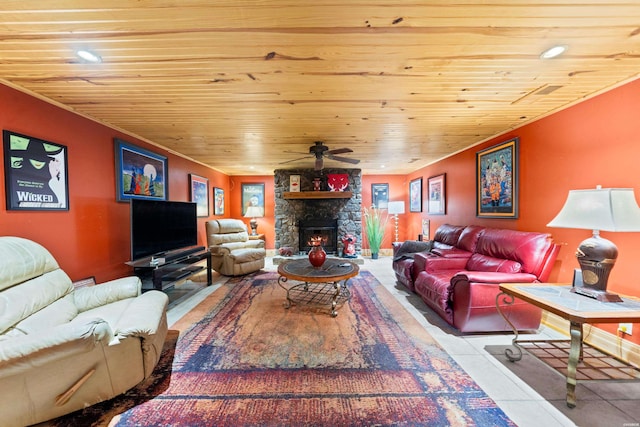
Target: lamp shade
606, 209
254, 212
395, 207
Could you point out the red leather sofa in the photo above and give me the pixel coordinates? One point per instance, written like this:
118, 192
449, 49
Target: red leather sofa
459, 276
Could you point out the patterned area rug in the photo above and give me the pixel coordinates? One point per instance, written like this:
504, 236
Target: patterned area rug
244, 360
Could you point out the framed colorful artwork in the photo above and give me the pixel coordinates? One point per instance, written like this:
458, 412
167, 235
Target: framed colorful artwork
140, 173
218, 201
497, 181
436, 204
35, 173
253, 200
200, 194
380, 195
415, 195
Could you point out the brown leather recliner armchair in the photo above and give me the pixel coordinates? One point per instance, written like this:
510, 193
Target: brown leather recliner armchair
232, 253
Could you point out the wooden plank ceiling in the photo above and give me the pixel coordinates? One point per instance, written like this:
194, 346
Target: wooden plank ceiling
239, 84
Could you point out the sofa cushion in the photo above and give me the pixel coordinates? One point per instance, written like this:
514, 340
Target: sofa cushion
248, 254
530, 249
469, 238
19, 302
479, 262
448, 234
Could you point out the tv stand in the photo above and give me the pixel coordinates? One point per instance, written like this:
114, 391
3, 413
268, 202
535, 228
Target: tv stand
164, 272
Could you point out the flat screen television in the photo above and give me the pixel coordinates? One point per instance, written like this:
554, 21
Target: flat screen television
159, 226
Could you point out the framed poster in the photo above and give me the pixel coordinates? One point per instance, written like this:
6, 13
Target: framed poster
415, 195
380, 195
294, 183
497, 181
436, 204
253, 200
35, 173
218, 201
200, 194
426, 229
140, 173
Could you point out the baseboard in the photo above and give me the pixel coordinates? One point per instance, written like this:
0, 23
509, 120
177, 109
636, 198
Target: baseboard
598, 338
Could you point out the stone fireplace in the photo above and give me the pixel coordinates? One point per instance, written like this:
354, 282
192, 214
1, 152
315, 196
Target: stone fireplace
319, 214
327, 229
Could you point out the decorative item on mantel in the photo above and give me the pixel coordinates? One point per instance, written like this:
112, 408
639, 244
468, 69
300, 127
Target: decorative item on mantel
606, 209
337, 181
317, 255
349, 242
294, 183
317, 183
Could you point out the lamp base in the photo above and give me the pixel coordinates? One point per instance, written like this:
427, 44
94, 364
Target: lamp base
253, 223
596, 294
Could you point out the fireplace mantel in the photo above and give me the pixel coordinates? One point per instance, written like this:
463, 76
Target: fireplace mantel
317, 195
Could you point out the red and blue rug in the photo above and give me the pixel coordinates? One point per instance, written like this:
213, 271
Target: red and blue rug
244, 360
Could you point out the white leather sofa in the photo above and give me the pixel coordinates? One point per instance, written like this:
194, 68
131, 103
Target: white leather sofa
61, 348
232, 253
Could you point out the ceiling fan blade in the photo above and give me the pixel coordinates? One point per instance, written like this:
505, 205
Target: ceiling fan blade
344, 159
340, 151
319, 164
294, 160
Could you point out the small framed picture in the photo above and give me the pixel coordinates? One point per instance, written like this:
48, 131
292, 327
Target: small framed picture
426, 229
436, 204
415, 195
218, 201
294, 183
140, 174
200, 194
380, 195
35, 174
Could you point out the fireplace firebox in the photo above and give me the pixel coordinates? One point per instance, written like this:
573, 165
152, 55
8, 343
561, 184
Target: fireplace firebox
327, 229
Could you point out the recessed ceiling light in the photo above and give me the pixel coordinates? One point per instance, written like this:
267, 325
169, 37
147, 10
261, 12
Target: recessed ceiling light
89, 56
553, 52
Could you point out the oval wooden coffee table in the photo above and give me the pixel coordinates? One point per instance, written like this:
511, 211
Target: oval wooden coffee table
325, 285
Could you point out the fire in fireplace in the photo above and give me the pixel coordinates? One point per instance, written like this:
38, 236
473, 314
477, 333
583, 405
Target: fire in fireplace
327, 229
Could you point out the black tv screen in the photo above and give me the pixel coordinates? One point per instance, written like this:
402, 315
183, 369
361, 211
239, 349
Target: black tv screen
160, 226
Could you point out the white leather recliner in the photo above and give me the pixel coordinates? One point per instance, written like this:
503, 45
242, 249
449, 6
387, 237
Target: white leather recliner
61, 348
232, 253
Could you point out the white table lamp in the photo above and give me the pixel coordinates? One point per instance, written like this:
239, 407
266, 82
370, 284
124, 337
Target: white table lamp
606, 209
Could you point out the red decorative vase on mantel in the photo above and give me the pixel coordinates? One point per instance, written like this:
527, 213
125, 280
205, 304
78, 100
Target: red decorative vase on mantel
317, 255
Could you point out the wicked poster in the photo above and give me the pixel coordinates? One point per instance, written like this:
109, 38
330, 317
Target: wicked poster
35, 173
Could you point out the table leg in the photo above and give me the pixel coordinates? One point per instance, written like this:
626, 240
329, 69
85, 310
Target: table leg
281, 281
511, 355
575, 355
334, 302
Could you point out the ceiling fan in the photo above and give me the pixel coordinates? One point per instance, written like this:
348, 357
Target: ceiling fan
320, 151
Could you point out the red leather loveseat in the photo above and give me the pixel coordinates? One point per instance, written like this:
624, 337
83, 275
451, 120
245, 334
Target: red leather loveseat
459, 276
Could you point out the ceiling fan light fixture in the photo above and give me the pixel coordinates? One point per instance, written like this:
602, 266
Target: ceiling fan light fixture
89, 56
553, 52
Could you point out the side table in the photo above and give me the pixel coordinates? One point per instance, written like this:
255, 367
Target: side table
578, 310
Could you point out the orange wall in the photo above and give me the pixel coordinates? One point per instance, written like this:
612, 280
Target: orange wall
92, 237
398, 188
594, 142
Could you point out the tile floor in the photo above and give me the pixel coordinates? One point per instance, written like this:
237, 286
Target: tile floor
528, 391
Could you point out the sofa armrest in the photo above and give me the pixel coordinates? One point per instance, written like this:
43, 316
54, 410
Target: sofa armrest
106, 293
143, 315
431, 263
146, 319
21, 354
492, 277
